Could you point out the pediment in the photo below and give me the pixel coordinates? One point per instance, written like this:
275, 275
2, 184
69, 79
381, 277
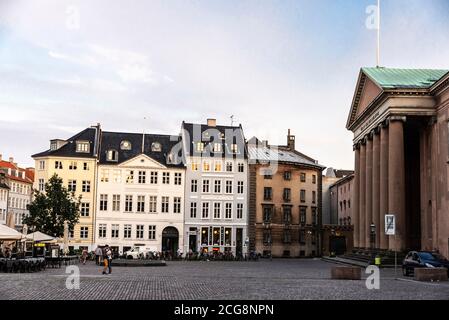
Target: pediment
142, 161
365, 93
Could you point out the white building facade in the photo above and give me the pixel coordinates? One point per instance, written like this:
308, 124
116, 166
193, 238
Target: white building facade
216, 197
140, 193
4, 190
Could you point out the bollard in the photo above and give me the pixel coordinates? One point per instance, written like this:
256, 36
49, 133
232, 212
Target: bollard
378, 261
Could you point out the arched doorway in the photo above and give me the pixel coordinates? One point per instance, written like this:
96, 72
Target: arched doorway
170, 240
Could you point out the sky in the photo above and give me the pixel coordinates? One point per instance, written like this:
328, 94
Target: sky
149, 65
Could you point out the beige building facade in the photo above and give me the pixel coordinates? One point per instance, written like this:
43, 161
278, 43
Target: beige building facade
400, 121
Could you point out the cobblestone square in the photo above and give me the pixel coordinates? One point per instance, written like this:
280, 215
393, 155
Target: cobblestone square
265, 280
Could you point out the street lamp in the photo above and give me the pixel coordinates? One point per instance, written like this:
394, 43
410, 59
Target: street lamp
373, 235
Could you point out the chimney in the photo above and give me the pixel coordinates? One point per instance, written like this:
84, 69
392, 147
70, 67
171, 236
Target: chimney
265, 143
1, 157
11, 159
212, 122
290, 141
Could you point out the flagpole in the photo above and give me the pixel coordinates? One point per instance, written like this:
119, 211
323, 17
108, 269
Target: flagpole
378, 33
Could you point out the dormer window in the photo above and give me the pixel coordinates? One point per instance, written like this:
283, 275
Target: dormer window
53, 146
156, 147
112, 155
83, 146
125, 145
234, 148
199, 146
217, 147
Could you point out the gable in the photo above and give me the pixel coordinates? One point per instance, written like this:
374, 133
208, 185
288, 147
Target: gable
142, 161
369, 92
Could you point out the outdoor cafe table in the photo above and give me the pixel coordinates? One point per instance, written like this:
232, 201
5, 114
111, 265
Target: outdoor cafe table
22, 265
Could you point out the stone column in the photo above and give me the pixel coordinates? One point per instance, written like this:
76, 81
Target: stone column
362, 196
356, 200
376, 186
383, 206
396, 180
369, 191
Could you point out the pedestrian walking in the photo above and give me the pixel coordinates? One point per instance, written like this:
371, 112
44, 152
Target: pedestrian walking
105, 259
84, 256
98, 255
109, 256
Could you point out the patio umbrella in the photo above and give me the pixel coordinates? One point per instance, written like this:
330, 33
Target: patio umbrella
7, 233
40, 237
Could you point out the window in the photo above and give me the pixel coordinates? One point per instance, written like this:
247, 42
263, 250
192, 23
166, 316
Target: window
104, 175
73, 165
164, 208
194, 186
156, 147
140, 203
130, 177
139, 231
193, 210
228, 210
234, 148
303, 196
217, 210
228, 166
205, 211
112, 155
84, 232
314, 197
72, 186
205, 186
115, 202
302, 236
240, 187
241, 167
153, 177
287, 236
42, 165
128, 203
217, 147
302, 216
102, 231
287, 214
85, 166
267, 237
268, 174
151, 232
58, 164
199, 147
228, 237
115, 231
267, 193
177, 205
287, 175
178, 179
85, 186
142, 176
267, 214
85, 209
153, 204
41, 185
206, 166
239, 210
165, 177
314, 179
83, 146
117, 176
287, 195
302, 177
217, 166
194, 166
127, 231
217, 186
103, 202
125, 145
228, 186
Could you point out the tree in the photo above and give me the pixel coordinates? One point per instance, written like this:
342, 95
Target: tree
51, 208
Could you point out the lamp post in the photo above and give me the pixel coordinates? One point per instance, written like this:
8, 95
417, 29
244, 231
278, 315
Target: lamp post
373, 235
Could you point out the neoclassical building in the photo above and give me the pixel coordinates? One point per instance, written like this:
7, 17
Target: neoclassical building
400, 121
140, 190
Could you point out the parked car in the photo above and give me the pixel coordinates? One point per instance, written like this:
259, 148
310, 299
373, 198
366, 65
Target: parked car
139, 253
423, 259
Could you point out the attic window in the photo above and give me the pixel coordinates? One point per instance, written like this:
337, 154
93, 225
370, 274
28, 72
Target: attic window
217, 147
112, 155
156, 147
125, 145
83, 146
53, 146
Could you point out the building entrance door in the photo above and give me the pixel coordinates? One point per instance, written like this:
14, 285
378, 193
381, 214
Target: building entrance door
239, 242
192, 243
170, 240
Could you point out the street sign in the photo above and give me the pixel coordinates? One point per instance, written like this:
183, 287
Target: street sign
390, 224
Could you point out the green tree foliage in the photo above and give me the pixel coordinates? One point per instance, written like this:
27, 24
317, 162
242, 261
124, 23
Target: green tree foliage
51, 208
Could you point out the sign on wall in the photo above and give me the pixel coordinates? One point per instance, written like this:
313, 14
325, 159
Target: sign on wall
390, 224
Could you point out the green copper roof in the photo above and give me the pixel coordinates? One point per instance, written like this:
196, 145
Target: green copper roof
404, 78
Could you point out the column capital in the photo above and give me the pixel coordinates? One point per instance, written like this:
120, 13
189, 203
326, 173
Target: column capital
397, 118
